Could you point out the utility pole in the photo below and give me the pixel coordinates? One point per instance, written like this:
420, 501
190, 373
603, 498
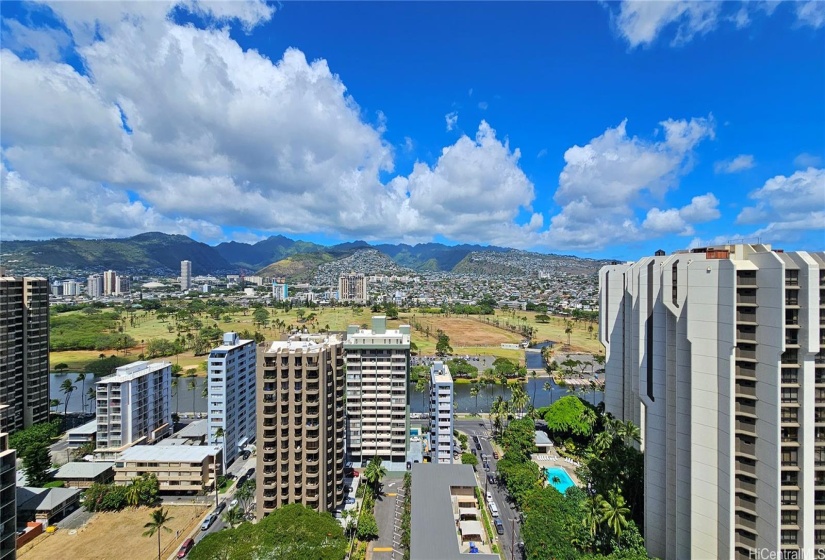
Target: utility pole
513, 541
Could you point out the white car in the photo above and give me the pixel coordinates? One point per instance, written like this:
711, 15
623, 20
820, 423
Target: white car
233, 503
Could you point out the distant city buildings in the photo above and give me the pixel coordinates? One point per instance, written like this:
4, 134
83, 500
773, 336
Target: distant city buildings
300, 423
121, 285
377, 400
24, 352
441, 413
353, 287
280, 292
109, 283
94, 286
185, 275
231, 399
71, 288
133, 406
718, 354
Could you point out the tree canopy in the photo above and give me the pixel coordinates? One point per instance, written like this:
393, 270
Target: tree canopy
570, 415
293, 531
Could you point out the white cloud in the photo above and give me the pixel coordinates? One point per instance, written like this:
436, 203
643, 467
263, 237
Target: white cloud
788, 205
483, 105
408, 144
451, 118
739, 163
642, 22
806, 160
680, 221
603, 183
47, 43
542, 153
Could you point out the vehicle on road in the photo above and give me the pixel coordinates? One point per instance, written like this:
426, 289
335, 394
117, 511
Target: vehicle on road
493, 508
233, 504
207, 523
185, 548
221, 507
495, 454
250, 472
499, 526
478, 446
491, 478
349, 500
486, 466
246, 455
489, 496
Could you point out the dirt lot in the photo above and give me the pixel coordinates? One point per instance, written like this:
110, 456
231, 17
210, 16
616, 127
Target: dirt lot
114, 536
465, 332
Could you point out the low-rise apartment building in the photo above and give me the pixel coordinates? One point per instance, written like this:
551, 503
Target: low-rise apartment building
178, 468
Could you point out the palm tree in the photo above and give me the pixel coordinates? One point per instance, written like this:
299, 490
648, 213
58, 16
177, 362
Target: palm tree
175, 389
534, 374
82, 378
548, 386
568, 330
133, 494
245, 495
603, 441
54, 403
615, 512
592, 516
631, 432
518, 398
159, 521
233, 516
422, 385
474, 391
192, 385
66, 388
374, 472
91, 396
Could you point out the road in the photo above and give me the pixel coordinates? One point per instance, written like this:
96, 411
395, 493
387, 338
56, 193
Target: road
506, 510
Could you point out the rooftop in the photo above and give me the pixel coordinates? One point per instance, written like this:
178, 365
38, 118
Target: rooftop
542, 438
43, 499
170, 453
231, 340
440, 373
303, 343
433, 534
133, 371
83, 470
86, 429
194, 429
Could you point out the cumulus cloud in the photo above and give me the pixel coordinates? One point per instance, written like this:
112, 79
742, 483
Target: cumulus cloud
680, 221
739, 163
603, 182
642, 22
788, 205
451, 118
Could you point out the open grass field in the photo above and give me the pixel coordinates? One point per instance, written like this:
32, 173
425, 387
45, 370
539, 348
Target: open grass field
115, 536
468, 335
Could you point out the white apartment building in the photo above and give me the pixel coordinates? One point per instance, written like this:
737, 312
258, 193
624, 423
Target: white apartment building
185, 275
133, 406
70, 288
441, 414
109, 283
232, 395
280, 292
717, 354
353, 287
94, 286
378, 369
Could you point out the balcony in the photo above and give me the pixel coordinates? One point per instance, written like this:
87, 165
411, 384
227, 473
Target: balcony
745, 522
745, 485
746, 298
745, 468
745, 448
747, 408
746, 391
746, 354
748, 428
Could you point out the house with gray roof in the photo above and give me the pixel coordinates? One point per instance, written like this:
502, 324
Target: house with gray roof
83, 474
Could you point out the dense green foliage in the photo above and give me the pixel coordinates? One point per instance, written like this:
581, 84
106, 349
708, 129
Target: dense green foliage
142, 491
107, 366
519, 439
83, 331
32, 446
469, 459
367, 529
442, 346
406, 516
293, 531
462, 369
570, 416
419, 372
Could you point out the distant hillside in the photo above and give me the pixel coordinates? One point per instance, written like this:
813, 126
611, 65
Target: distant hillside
147, 251
263, 253
300, 267
431, 256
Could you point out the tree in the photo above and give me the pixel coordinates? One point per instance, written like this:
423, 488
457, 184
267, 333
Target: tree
61, 367
91, 397
159, 520
367, 527
176, 393
261, 316
442, 346
233, 516
245, 495
568, 330
37, 464
82, 378
192, 386
422, 386
474, 391
54, 403
614, 512
469, 459
374, 472
534, 374
67, 388
518, 398
568, 416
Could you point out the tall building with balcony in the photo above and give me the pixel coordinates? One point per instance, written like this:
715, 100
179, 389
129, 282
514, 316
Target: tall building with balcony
70, 288
717, 354
8, 497
441, 414
185, 275
231, 395
109, 283
280, 292
24, 352
353, 287
133, 407
94, 286
300, 423
378, 403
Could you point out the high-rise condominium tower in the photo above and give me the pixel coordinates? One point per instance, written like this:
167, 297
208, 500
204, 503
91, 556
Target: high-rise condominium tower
378, 369
441, 413
8, 497
717, 354
94, 286
300, 423
353, 287
109, 283
24, 352
121, 285
185, 275
232, 395
133, 406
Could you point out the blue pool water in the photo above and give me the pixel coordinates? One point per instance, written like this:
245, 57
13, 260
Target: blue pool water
565, 481
414, 431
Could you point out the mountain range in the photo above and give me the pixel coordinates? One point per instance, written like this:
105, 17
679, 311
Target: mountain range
155, 252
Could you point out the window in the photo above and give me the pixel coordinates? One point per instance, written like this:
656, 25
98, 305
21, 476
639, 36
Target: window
790, 414
790, 457
790, 375
790, 478
790, 516
789, 536
790, 497
790, 394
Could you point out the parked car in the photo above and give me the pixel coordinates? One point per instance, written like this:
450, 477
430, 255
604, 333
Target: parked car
246, 454
495, 454
486, 466
207, 523
221, 507
186, 547
478, 446
489, 497
233, 503
347, 489
241, 480
499, 526
250, 472
491, 478
349, 500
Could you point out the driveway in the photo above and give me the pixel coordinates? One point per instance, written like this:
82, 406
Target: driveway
385, 509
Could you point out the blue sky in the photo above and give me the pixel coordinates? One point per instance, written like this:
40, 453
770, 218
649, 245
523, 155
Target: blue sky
586, 128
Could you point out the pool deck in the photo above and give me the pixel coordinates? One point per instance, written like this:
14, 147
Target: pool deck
552, 459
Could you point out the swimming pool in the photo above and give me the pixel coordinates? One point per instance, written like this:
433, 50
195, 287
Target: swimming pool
413, 431
564, 480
